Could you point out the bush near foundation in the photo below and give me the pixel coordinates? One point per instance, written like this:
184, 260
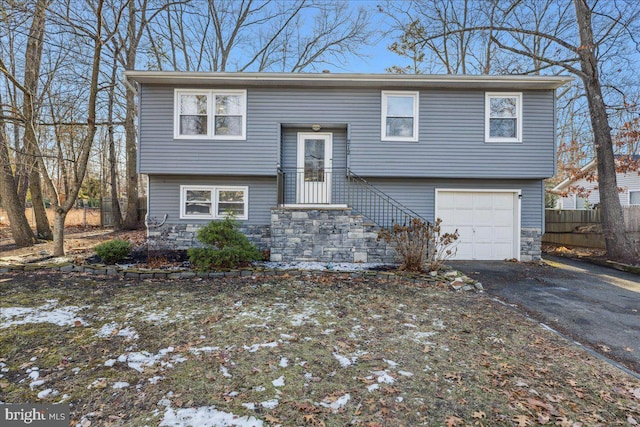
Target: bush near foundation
227, 247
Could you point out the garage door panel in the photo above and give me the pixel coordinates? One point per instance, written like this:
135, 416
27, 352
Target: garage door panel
465, 250
483, 234
446, 201
486, 221
503, 250
482, 201
483, 218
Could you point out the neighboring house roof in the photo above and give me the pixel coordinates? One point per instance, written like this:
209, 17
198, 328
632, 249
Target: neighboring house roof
350, 80
591, 165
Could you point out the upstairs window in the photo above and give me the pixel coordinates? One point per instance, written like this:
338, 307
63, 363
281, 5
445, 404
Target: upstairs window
503, 117
210, 114
399, 116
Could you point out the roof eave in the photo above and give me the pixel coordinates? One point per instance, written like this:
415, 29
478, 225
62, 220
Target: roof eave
346, 79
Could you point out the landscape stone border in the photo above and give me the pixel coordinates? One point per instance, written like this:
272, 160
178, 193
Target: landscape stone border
455, 280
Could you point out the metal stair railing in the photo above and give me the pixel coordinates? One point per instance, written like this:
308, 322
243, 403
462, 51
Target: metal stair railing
376, 205
344, 187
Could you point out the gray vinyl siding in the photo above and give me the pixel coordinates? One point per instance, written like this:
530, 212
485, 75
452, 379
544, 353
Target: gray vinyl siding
165, 196
415, 193
290, 147
419, 194
451, 135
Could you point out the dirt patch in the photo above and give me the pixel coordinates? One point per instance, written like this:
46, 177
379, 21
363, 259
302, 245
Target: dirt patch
324, 351
79, 241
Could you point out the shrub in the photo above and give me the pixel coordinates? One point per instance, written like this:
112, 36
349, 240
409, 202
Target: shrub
226, 247
113, 250
421, 244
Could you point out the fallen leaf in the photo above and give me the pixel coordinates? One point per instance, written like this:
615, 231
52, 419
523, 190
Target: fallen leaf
521, 420
479, 415
77, 323
452, 421
543, 419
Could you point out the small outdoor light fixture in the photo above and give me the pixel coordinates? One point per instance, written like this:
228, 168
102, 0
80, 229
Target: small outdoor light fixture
315, 127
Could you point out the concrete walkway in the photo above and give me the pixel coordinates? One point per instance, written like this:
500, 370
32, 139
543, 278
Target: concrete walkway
597, 306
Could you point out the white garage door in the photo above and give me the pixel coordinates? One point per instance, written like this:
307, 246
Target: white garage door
487, 223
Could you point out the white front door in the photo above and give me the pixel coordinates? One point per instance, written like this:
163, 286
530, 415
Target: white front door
486, 220
314, 168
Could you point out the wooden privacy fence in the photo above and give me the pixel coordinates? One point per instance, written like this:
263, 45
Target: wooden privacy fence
80, 217
106, 213
583, 227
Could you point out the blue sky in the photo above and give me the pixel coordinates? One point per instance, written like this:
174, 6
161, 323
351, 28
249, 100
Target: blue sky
377, 57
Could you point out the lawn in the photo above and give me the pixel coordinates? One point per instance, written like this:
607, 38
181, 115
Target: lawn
306, 350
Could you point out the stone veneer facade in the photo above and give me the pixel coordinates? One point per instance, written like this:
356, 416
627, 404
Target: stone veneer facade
183, 236
530, 244
325, 235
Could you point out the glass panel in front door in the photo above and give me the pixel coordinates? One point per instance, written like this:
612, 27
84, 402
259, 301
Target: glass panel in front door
314, 160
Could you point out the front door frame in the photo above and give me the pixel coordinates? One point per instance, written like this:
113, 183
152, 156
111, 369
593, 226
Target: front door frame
314, 192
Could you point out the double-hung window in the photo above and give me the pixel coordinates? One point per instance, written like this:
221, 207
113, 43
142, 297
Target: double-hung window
503, 117
399, 116
213, 202
210, 114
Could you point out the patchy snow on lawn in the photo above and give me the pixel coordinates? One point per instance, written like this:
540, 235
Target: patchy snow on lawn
256, 347
278, 382
207, 349
206, 416
47, 313
338, 266
384, 377
338, 403
346, 361
112, 329
139, 360
270, 404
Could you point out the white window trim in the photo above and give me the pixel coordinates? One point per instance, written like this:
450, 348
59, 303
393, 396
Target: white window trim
211, 95
629, 194
214, 201
244, 189
487, 118
383, 115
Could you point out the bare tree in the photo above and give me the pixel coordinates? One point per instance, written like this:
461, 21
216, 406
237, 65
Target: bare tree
33, 59
74, 176
22, 234
271, 35
570, 45
30, 114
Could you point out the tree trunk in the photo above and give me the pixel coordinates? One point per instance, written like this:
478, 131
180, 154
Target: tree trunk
62, 208
131, 218
43, 229
33, 58
619, 245
58, 231
113, 165
22, 233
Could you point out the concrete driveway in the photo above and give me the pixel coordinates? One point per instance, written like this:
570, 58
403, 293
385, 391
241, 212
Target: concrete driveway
597, 306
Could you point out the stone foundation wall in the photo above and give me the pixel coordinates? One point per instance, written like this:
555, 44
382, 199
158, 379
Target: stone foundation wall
325, 235
183, 236
530, 244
